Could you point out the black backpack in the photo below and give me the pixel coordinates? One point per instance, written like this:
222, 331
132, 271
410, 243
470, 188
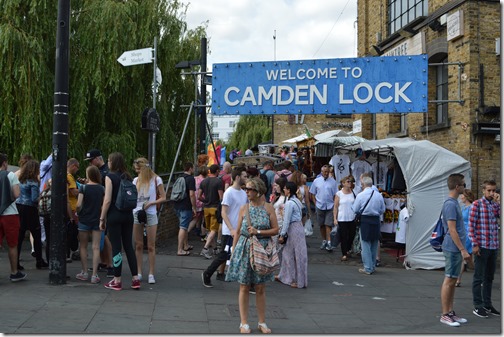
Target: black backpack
126, 196
6, 198
264, 178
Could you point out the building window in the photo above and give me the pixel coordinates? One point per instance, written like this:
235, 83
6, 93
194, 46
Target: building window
232, 124
402, 12
229, 134
215, 124
404, 123
215, 136
442, 93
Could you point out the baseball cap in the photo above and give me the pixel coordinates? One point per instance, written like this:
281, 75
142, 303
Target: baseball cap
92, 154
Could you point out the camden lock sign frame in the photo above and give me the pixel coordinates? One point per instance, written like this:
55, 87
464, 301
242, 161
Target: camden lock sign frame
395, 84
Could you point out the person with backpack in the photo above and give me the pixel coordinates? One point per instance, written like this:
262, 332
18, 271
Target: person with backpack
267, 170
119, 222
149, 186
454, 249
184, 195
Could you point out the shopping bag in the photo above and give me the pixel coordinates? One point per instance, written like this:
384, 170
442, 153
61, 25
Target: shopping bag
335, 237
308, 228
356, 245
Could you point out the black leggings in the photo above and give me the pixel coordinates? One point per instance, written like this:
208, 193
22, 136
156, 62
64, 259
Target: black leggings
120, 232
29, 220
347, 233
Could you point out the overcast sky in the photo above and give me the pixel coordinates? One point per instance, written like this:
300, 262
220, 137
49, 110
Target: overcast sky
243, 30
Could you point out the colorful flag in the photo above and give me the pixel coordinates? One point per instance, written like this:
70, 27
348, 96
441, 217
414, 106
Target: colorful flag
223, 156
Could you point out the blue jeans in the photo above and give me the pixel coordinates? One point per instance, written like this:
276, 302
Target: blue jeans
368, 254
484, 270
185, 217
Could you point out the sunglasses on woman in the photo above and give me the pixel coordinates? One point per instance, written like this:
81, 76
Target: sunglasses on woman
248, 189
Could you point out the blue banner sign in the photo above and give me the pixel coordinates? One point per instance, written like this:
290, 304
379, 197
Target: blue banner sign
388, 84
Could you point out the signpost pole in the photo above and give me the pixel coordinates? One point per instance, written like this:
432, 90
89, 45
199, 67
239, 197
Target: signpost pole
203, 63
152, 134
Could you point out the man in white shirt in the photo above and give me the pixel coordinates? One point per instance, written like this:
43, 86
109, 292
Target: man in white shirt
234, 197
322, 193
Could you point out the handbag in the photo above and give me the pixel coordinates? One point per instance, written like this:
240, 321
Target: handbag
357, 219
263, 261
284, 237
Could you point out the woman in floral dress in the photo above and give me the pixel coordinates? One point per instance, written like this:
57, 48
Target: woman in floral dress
264, 225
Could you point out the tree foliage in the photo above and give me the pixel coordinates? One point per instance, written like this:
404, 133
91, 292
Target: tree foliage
106, 99
250, 131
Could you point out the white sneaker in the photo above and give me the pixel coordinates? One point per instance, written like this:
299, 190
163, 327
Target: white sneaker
323, 245
139, 277
152, 280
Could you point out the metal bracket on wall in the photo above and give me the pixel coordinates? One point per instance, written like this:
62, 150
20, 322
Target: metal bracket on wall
460, 70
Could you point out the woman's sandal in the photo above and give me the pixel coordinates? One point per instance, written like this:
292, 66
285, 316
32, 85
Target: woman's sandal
293, 285
263, 328
244, 328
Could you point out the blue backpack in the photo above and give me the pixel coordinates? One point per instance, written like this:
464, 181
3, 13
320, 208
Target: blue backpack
438, 234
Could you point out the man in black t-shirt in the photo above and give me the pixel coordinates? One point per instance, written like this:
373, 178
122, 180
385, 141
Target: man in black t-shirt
186, 209
212, 188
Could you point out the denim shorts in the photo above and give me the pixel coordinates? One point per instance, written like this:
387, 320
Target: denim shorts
453, 264
85, 228
152, 219
185, 217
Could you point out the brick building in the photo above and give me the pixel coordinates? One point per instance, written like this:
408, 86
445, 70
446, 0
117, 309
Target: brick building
461, 39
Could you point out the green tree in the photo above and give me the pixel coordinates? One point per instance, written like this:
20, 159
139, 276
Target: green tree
250, 131
106, 99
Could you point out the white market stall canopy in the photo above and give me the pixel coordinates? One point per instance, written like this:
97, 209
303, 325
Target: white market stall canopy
325, 145
320, 137
426, 167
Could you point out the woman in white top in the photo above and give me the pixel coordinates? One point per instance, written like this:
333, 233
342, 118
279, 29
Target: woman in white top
150, 193
344, 216
302, 193
280, 199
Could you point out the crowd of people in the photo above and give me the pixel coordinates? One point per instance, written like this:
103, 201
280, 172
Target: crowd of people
228, 207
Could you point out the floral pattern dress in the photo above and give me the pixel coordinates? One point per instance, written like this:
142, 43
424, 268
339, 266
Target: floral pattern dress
239, 268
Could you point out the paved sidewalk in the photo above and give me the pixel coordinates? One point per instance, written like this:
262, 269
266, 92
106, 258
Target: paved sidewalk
338, 300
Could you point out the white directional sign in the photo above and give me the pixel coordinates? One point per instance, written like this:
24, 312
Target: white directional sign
134, 57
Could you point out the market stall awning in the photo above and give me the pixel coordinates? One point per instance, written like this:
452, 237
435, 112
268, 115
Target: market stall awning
342, 141
330, 134
297, 139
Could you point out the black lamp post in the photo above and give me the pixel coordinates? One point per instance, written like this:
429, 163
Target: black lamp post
202, 100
